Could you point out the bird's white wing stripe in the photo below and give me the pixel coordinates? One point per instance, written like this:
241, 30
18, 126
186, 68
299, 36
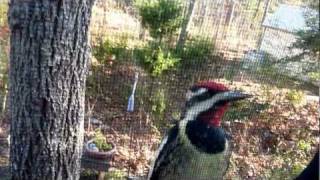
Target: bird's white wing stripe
164, 141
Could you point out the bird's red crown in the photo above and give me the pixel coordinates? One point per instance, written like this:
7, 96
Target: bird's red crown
211, 85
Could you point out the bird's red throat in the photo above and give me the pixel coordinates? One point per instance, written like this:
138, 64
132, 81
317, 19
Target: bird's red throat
213, 118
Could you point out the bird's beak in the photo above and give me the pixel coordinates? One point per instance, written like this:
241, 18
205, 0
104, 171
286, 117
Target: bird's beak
236, 95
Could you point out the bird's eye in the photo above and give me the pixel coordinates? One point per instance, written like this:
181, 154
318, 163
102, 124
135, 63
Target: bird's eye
204, 96
194, 89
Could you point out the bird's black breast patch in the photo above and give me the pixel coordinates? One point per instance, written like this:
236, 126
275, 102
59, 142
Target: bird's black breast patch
206, 138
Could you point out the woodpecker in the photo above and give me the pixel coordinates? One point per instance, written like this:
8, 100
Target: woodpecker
197, 148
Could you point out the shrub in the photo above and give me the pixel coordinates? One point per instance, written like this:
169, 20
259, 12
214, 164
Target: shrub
196, 51
101, 141
285, 173
159, 106
102, 51
116, 174
88, 174
156, 61
106, 50
304, 146
315, 76
295, 97
158, 101
94, 84
161, 17
162, 61
297, 168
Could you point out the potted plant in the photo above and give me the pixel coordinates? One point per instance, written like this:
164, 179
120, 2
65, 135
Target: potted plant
99, 148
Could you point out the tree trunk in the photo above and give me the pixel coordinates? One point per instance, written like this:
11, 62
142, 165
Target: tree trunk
184, 26
48, 66
266, 9
257, 10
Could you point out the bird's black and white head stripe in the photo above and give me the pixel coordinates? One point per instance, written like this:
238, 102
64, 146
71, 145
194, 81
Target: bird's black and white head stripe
200, 99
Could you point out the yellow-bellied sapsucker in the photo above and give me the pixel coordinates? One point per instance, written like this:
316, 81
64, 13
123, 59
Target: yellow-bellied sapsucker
197, 147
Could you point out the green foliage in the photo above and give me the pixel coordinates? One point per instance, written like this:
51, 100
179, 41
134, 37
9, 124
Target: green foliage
116, 175
196, 51
286, 173
107, 50
292, 163
309, 39
88, 174
309, 42
159, 105
295, 96
102, 51
158, 101
304, 145
176, 114
161, 17
297, 168
156, 61
161, 61
94, 88
101, 141
315, 76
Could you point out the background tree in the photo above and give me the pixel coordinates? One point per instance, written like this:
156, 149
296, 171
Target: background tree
48, 65
309, 39
184, 33
161, 17
309, 42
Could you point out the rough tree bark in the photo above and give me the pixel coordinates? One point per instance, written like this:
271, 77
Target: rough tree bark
48, 65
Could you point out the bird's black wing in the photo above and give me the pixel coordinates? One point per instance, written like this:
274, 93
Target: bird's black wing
164, 154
